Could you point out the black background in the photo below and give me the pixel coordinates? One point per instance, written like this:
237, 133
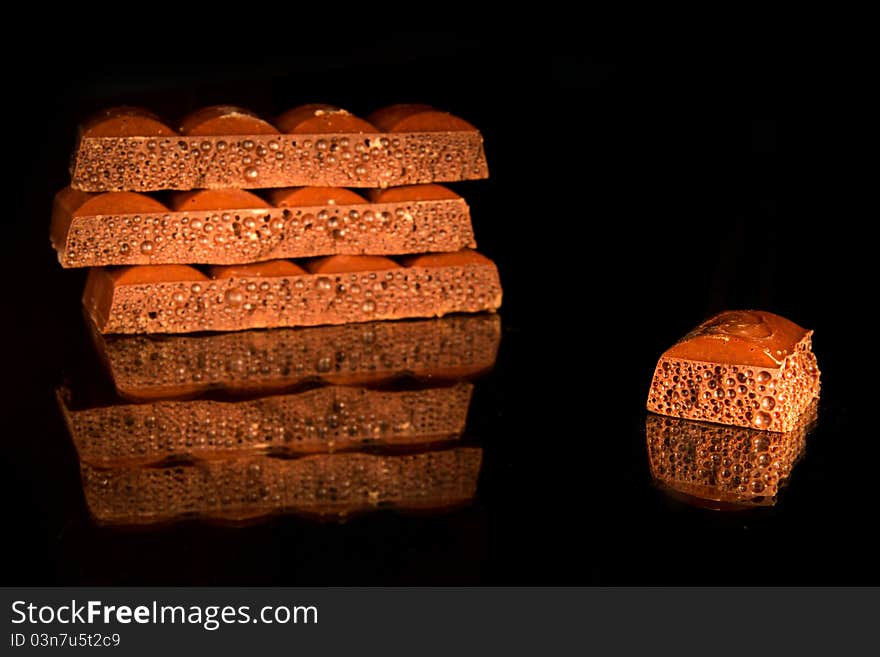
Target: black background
630, 197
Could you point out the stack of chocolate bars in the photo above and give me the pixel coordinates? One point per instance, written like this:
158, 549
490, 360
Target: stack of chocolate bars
206, 255
340, 415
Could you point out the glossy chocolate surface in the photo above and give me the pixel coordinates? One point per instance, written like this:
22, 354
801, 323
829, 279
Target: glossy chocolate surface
749, 368
278, 293
225, 146
234, 226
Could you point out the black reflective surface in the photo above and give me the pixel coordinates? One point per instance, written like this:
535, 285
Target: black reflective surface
629, 199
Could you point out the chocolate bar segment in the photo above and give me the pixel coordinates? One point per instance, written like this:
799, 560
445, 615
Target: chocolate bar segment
748, 368
321, 119
133, 151
416, 117
124, 122
213, 200
225, 120
327, 486
247, 362
236, 227
154, 299
724, 467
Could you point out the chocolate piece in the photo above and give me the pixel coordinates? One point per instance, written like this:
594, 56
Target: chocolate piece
124, 122
749, 368
328, 486
321, 119
724, 467
414, 117
225, 120
151, 367
316, 146
328, 419
149, 299
236, 227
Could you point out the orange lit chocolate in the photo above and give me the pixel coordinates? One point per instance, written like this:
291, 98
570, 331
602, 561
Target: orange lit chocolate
222, 147
748, 368
340, 264
225, 120
336, 290
125, 122
235, 226
314, 196
720, 466
268, 269
71, 204
321, 119
416, 118
325, 419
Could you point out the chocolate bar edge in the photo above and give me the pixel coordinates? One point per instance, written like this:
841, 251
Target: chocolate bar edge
102, 164
283, 245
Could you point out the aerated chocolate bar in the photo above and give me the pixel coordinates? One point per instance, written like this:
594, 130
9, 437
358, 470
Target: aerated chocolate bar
749, 368
130, 149
281, 293
234, 226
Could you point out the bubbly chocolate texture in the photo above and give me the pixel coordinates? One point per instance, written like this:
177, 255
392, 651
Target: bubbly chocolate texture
720, 466
748, 368
234, 226
150, 367
325, 419
130, 149
323, 486
332, 290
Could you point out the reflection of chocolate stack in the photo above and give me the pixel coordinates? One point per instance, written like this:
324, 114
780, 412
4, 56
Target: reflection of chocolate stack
721, 466
328, 486
306, 252
147, 367
205, 446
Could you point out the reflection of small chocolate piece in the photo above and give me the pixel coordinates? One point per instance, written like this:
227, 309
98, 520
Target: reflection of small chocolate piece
268, 269
416, 118
329, 486
225, 120
747, 368
412, 193
723, 467
213, 200
341, 289
321, 119
738, 323
298, 197
124, 122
